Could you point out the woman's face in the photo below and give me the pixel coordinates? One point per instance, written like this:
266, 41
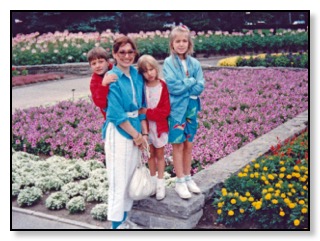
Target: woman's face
125, 56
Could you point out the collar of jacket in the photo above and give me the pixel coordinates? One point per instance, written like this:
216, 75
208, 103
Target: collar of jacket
119, 72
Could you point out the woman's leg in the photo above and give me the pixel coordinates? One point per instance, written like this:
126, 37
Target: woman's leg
178, 159
121, 160
187, 157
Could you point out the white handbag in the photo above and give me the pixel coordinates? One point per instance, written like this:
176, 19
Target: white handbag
141, 185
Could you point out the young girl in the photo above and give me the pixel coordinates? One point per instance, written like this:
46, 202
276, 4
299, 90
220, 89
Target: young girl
157, 112
184, 77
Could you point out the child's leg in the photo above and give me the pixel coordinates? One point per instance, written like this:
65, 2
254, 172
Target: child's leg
159, 154
152, 161
187, 157
178, 159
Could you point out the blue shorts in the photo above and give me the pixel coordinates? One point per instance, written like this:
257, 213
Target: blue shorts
179, 132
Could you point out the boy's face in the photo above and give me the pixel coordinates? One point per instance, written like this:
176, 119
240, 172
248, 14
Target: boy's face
99, 66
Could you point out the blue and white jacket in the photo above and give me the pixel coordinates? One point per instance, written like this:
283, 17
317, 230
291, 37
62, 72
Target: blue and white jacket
181, 87
120, 101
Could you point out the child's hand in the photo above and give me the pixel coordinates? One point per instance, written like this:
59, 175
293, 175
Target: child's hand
143, 111
109, 78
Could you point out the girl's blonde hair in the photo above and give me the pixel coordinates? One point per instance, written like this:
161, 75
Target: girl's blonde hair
181, 29
146, 60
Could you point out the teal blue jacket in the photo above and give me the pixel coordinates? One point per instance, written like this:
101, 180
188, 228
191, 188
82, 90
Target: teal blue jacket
120, 101
180, 86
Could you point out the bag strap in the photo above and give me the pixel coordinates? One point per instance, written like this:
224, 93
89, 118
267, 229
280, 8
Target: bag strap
146, 150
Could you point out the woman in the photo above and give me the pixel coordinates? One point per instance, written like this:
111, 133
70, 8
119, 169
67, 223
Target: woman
123, 130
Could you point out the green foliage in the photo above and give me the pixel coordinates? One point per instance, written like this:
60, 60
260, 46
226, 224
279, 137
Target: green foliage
76, 205
29, 196
57, 200
100, 212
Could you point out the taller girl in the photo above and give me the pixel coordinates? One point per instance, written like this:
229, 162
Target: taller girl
184, 78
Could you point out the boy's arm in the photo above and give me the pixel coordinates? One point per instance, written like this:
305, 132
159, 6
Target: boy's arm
176, 86
99, 93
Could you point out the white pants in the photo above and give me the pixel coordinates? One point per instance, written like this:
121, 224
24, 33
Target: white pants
121, 159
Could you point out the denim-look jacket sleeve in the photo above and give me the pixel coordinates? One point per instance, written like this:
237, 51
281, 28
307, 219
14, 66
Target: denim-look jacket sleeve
177, 84
200, 81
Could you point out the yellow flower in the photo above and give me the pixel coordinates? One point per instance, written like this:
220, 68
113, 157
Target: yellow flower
292, 205
248, 194
270, 189
268, 196
233, 201
223, 190
256, 174
263, 178
266, 182
264, 191
220, 205
230, 213
302, 179
253, 160
219, 211
256, 165
305, 188
293, 190
281, 162
296, 222
265, 169
251, 199
240, 174
304, 210
297, 175
283, 195
289, 176
236, 194
282, 169
286, 200
290, 185
282, 213
245, 170
281, 175
301, 202
241, 210
270, 176
274, 201
243, 199
296, 168
251, 175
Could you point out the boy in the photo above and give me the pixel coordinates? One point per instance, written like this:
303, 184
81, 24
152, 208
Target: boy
99, 86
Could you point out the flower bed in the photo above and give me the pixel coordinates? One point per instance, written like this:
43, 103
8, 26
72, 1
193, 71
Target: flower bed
34, 78
237, 107
272, 192
297, 60
65, 47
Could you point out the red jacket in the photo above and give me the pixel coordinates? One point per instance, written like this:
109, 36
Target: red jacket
160, 113
99, 93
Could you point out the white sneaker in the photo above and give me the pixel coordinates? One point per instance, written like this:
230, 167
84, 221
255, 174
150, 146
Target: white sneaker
193, 187
128, 225
182, 190
154, 183
161, 190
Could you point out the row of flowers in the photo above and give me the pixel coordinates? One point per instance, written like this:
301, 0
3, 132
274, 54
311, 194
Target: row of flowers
237, 107
296, 60
65, 47
34, 78
272, 192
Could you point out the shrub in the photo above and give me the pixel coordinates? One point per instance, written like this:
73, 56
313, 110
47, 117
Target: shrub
29, 196
57, 200
49, 183
71, 189
76, 205
100, 212
15, 189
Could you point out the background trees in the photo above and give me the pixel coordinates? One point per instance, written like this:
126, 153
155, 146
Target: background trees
132, 21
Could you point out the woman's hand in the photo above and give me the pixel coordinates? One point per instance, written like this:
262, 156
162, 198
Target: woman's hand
138, 140
108, 79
